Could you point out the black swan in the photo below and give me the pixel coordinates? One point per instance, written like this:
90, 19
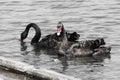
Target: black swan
66, 43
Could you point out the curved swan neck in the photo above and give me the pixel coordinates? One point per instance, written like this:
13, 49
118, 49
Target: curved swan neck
37, 34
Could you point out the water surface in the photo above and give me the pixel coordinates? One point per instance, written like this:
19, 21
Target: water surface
90, 18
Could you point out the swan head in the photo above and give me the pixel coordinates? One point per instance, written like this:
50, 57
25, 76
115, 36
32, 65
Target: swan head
23, 35
60, 28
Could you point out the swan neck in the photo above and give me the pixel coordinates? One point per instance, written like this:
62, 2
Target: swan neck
37, 35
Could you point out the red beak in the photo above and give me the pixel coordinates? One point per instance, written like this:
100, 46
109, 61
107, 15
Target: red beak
58, 31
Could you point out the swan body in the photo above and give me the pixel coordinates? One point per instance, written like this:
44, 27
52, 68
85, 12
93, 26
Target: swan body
89, 48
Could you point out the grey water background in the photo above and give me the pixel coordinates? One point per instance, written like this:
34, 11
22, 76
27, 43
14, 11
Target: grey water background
90, 18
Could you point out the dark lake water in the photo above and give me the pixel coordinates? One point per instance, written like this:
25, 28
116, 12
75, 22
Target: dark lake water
90, 18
